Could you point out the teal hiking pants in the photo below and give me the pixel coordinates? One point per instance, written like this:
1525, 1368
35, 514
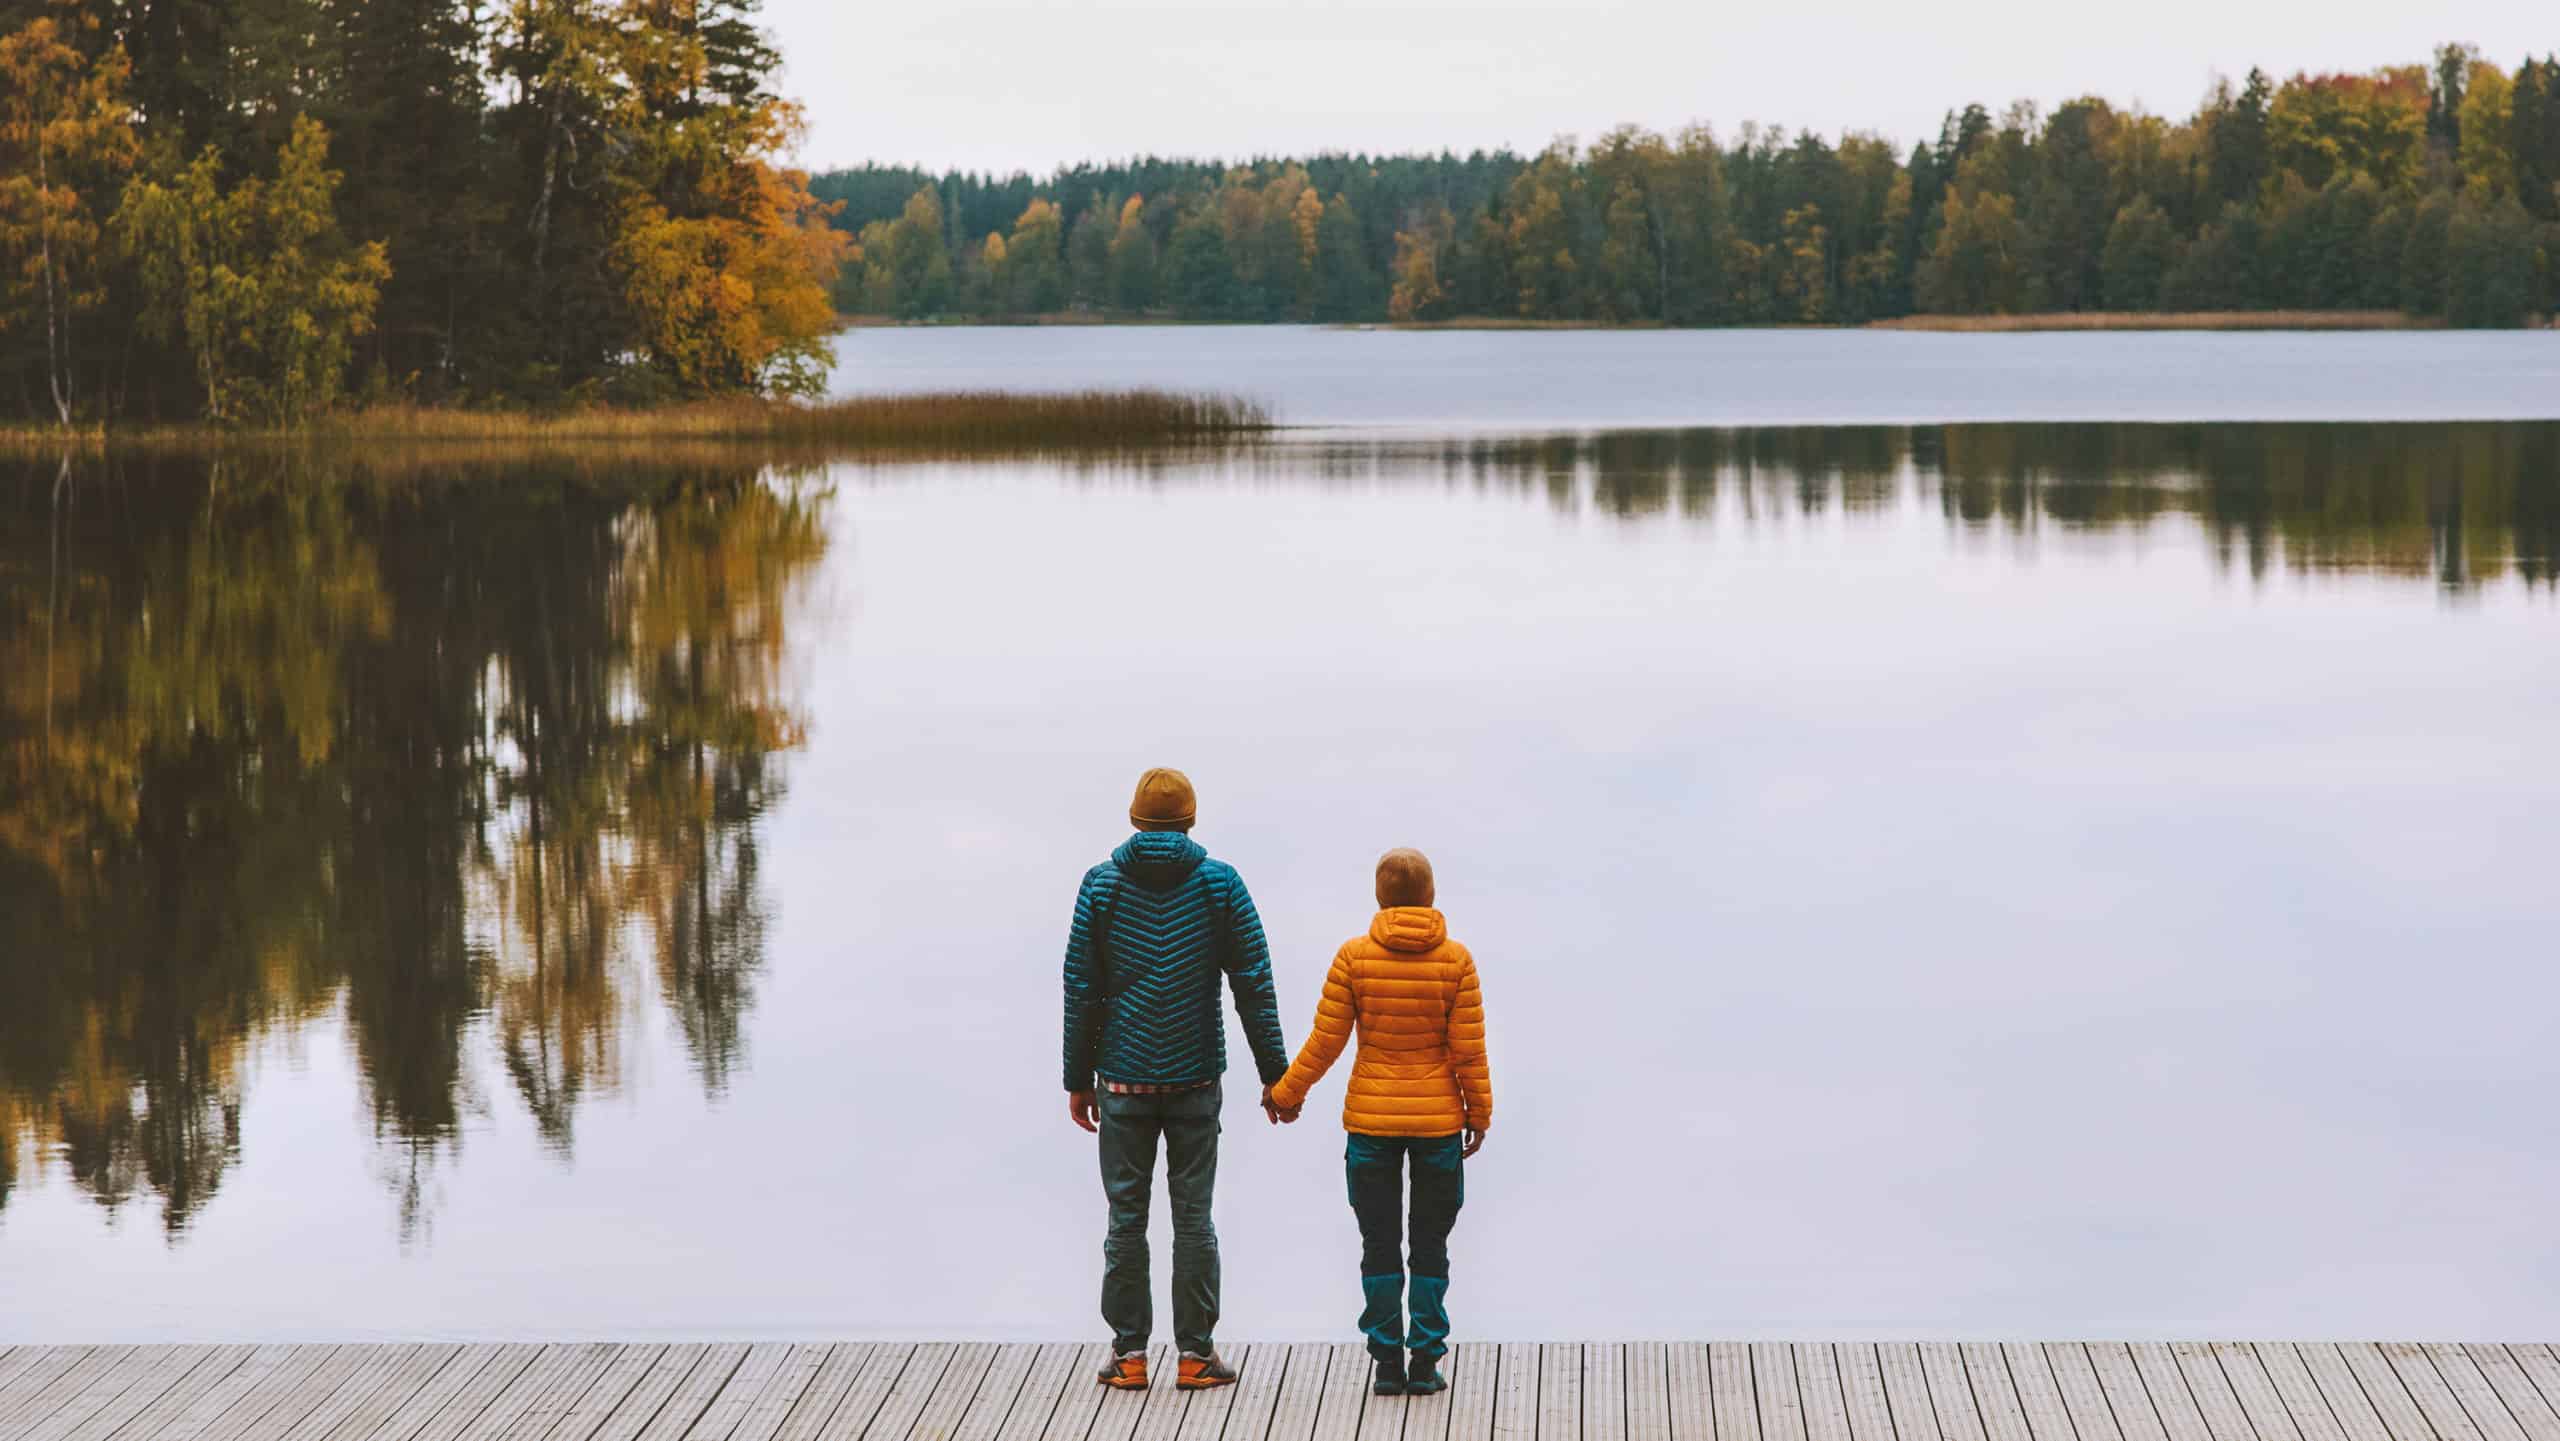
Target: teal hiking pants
1374, 1167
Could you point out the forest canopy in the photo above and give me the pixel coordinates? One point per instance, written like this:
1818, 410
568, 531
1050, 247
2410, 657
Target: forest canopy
247, 211
2428, 189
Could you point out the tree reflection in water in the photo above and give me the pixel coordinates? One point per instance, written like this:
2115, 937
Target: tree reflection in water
446, 751
473, 763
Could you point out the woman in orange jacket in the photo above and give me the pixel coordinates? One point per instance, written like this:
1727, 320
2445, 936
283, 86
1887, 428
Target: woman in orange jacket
1421, 1090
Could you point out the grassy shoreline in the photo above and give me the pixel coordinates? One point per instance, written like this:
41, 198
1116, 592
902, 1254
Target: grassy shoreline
2162, 320
940, 421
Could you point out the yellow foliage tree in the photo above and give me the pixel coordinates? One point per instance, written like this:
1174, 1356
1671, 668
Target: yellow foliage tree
66, 139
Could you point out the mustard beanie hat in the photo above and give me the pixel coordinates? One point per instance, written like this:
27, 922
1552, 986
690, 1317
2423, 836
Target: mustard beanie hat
1164, 802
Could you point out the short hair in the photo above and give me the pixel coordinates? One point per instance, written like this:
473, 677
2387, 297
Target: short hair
1404, 878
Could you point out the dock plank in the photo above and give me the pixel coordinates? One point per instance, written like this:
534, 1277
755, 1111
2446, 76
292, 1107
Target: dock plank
2362, 1392
2540, 1372
2170, 1395
288, 1396
1862, 1393
377, 1369
2135, 1414
847, 1391
1072, 1419
1995, 1391
2472, 1392
59, 1387
2039, 1395
1474, 1369
1265, 1370
217, 1367
997, 1392
1559, 1391
1730, 1397
1906, 1391
2310, 1410
2084, 1400
1346, 1391
1117, 1418
764, 1364
903, 1402
360, 1419
1553, 1391
693, 1397
2498, 1366
1604, 1393
1950, 1395
234, 1400
1382, 1418
961, 1379
1205, 1419
781, 1393
2214, 1398
2259, 1399
586, 1413
2434, 1399
1515, 1405
1648, 1382
135, 1383
1692, 1404
1167, 1402
45, 1364
1774, 1393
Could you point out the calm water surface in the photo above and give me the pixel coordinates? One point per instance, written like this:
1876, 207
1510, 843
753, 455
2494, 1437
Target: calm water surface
1977, 880
1452, 379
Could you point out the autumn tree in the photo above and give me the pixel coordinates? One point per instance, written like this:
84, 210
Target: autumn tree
256, 278
67, 139
1035, 271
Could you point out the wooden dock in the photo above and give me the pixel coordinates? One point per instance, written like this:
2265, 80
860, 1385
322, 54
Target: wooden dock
1646, 1391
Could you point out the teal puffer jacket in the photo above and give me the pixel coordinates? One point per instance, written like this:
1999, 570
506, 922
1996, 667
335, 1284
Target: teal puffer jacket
1155, 927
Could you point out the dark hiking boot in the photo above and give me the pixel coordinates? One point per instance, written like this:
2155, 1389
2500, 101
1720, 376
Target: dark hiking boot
1201, 1373
1390, 1380
1125, 1373
1423, 1377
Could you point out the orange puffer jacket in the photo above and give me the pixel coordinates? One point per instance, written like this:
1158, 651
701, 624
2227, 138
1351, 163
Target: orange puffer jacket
1412, 992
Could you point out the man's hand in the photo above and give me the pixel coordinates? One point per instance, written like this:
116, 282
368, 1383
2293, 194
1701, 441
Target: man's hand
1279, 1115
1080, 1109
1473, 1143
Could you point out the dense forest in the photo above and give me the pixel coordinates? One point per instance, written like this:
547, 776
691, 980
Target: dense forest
2433, 190
246, 210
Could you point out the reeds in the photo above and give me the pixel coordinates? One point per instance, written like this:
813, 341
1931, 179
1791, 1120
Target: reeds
2166, 320
954, 422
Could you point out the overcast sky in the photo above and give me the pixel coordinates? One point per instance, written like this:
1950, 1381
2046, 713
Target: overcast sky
943, 83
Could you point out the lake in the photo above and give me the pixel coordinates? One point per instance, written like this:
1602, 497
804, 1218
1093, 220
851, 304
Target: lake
2038, 875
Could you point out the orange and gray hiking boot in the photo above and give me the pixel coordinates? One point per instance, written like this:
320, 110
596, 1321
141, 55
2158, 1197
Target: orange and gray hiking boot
1199, 1373
1125, 1373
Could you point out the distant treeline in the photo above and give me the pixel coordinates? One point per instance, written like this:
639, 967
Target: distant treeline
243, 210
2433, 190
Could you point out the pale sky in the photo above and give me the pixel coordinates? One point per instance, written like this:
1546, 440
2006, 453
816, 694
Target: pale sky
995, 86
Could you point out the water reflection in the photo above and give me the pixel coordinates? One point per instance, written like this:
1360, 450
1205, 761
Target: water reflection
2461, 503
438, 749
477, 760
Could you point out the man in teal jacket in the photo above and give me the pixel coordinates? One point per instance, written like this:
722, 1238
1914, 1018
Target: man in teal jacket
1146, 1042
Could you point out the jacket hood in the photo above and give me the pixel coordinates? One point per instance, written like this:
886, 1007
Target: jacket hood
1158, 860
1408, 928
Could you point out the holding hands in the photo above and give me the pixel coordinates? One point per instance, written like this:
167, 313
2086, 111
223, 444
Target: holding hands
1279, 1115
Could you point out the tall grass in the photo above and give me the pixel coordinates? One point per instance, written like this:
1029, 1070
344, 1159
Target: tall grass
2166, 320
942, 422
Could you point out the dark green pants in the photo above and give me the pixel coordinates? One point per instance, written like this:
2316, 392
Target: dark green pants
1187, 1123
1374, 1166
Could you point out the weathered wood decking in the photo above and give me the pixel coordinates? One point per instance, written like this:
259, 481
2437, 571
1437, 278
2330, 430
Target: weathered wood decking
1647, 1391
